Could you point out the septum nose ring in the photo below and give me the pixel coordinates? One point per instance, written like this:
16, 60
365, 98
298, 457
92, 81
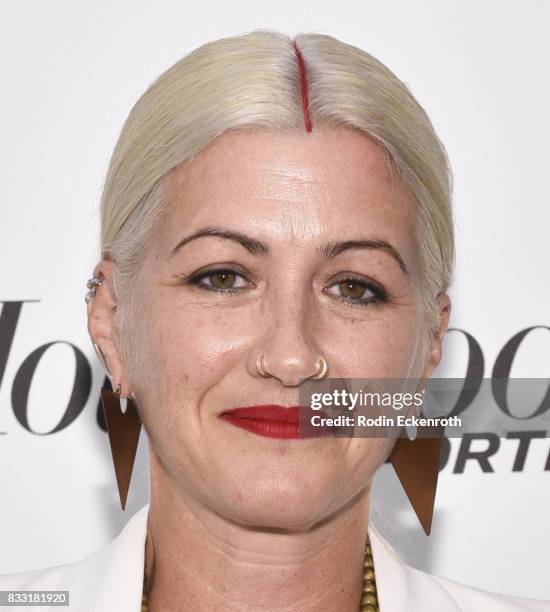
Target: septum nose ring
321, 372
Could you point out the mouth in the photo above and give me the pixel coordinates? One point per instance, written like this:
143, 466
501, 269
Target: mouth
272, 420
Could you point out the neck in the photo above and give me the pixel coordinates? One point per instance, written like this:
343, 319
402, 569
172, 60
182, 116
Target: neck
196, 556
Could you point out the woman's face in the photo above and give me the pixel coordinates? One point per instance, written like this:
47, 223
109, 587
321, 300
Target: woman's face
290, 219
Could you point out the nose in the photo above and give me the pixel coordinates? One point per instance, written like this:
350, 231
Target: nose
288, 350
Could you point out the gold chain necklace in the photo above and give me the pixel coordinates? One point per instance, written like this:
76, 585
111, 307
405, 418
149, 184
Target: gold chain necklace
369, 599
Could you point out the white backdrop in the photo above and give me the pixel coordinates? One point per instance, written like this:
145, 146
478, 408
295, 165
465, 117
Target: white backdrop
70, 72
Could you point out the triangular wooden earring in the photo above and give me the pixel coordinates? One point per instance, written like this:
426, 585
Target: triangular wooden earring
416, 463
123, 429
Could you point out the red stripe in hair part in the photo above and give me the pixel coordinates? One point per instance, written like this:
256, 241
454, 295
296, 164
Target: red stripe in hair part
303, 83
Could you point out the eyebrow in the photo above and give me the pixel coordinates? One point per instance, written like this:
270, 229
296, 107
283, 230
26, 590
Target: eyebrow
335, 248
250, 244
256, 247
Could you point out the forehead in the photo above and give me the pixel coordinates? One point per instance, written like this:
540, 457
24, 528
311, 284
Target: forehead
281, 185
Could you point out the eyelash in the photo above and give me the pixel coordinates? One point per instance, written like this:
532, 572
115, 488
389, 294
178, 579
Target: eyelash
379, 294
195, 279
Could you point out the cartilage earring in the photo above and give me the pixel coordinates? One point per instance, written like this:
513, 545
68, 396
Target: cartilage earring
92, 284
124, 430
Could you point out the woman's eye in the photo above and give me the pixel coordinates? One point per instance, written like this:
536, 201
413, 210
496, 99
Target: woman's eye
220, 280
356, 291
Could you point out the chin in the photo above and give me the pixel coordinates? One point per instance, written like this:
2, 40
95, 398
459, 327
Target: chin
289, 502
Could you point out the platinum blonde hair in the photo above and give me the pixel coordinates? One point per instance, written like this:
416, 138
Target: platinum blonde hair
254, 81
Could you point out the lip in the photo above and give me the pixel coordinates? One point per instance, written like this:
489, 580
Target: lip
271, 420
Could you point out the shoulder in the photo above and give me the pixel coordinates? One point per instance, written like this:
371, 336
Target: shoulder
111, 578
402, 587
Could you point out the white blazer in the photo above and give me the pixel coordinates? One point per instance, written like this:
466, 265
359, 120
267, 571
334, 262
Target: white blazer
111, 580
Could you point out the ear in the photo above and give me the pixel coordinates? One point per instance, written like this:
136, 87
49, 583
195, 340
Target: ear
102, 326
437, 334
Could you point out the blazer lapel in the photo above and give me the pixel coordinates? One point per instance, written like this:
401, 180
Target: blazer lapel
402, 587
112, 577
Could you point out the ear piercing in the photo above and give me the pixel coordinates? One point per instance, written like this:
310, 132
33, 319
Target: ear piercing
102, 361
92, 284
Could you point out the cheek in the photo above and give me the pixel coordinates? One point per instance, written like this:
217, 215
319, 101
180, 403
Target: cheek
194, 347
385, 346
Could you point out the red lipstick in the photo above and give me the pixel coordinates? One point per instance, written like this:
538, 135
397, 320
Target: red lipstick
270, 420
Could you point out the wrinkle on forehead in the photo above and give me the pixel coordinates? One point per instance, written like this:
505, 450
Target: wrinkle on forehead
311, 186
232, 150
